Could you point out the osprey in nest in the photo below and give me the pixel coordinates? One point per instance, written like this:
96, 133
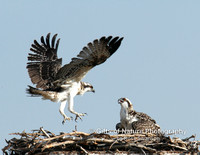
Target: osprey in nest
62, 83
135, 121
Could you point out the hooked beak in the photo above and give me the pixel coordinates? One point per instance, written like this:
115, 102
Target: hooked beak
119, 101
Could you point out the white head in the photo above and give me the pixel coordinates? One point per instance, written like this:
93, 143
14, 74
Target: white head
125, 103
86, 87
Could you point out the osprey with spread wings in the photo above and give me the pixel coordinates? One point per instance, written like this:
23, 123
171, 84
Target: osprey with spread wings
62, 83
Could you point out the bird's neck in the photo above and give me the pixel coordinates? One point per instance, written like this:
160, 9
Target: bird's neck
82, 90
127, 111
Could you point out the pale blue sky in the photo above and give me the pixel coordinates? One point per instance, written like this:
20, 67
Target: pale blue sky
157, 66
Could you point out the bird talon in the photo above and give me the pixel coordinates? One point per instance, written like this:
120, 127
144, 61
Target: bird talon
79, 116
66, 118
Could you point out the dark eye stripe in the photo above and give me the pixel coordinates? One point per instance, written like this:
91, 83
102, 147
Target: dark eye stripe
123, 99
85, 86
129, 104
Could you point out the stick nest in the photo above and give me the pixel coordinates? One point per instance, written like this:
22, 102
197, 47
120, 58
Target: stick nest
43, 142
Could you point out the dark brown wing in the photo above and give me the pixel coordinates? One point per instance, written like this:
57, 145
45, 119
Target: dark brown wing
145, 126
93, 54
144, 117
43, 63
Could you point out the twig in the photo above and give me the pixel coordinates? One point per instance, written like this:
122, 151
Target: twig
51, 133
143, 147
133, 135
167, 144
188, 138
143, 151
82, 149
100, 140
113, 143
131, 146
26, 134
41, 129
66, 134
35, 148
57, 144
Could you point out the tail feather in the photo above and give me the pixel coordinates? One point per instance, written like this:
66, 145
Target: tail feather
33, 91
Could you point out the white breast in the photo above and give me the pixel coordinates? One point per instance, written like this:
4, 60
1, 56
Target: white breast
127, 119
70, 89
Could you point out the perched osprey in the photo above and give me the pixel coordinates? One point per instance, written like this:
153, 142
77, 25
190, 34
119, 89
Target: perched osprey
132, 120
62, 83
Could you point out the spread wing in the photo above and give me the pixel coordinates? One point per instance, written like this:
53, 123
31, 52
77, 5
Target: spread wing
93, 54
43, 62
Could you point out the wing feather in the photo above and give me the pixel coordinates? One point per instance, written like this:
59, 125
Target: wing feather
87, 51
91, 48
93, 54
43, 64
143, 116
53, 40
82, 54
44, 67
47, 40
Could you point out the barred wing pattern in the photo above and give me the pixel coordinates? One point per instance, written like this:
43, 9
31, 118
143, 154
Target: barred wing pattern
144, 122
45, 69
144, 125
93, 54
144, 117
43, 63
